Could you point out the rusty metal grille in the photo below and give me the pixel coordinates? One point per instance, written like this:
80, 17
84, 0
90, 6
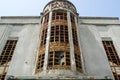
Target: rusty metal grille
76, 44
59, 60
46, 18
59, 34
113, 58
59, 15
6, 57
40, 63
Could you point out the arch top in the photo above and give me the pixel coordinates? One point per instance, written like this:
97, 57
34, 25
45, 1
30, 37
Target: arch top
59, 4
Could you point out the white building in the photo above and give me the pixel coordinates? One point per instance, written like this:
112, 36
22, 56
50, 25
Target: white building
59, 44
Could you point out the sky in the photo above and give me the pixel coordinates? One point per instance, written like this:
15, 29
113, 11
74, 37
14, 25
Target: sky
94, 8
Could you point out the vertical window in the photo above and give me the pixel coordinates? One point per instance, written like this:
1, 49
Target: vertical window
78, 61
76, 46
46, 18
40, 63
59, 59
74, 33
113, 58
6, 57
43, 37
59, 33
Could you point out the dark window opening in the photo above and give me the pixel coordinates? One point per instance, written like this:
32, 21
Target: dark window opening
6, 57
40, 62
59, 33
113, 58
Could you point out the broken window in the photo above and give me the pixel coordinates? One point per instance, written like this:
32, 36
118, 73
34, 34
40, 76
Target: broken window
113, 58
59, 58
6, 57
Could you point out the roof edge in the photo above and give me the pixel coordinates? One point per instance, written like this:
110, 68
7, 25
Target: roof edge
91, 17
7, 17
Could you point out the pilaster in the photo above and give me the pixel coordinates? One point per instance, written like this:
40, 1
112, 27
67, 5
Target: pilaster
47, 42
73, 65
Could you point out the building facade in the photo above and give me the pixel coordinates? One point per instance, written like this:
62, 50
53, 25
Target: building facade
59, 44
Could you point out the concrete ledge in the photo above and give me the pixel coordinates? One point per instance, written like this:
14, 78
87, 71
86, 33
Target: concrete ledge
89, 17
20, 17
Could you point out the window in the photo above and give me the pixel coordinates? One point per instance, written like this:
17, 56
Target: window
59, 15
59, 59
76, 46
43, 37
46, 18
59, 33
78, 61
6, 57
41, 54
40, 63
74, 33
113, 58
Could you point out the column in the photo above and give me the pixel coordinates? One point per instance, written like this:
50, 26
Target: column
73, 65
47, 42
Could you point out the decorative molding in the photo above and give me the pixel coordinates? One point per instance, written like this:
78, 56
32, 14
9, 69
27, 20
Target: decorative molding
59, 5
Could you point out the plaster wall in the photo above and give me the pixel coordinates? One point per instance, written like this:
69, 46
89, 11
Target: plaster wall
95, 59
112, 32
24, 58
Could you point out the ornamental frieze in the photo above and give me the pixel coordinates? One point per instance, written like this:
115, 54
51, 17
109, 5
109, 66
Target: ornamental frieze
59, 5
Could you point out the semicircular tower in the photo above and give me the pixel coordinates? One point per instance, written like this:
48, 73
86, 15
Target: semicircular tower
59, 51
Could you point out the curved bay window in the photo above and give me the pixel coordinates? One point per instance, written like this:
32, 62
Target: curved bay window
59, 47
76, 46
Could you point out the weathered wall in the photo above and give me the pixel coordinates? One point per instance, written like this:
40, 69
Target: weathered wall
95, 62
113, 32
23, 61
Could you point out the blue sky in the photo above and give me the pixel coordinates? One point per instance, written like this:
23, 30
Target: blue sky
105, 8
